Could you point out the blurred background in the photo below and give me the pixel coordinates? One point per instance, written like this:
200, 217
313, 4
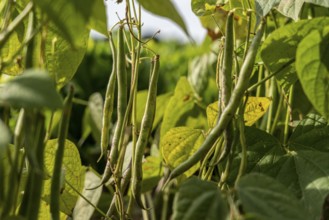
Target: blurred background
168, 29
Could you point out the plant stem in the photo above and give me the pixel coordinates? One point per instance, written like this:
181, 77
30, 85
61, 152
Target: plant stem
288, 116
56, 176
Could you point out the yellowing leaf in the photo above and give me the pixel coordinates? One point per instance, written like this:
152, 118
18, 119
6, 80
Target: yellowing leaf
256, 107
179, 144
72, 171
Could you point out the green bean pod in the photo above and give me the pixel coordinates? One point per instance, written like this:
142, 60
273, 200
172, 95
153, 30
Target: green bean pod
121, 76
230, 109
109, 101
122, 97
56, 176
227, 81
146, 127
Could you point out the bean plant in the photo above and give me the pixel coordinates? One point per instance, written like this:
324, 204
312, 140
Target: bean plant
244, 134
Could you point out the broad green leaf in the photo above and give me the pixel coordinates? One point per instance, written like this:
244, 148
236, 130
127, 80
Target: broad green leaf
268, 199
4, 136
61, 58
290, 8
279, 49
311, 123
263, 7
304, 169
33, 89
83, 210
256, 107
72, 173
179, 144
98, 17
264, 154
70, 17
313, 69
179, 104
161, 104
152, 173
306, 174
164, 8
197, 199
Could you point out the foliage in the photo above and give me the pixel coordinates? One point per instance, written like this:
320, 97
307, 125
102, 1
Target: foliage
234, 128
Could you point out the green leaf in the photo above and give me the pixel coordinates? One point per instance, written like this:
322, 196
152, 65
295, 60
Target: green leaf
313, 69
306, 173
70, 17
83, 210
197, 199
311, 123
263, 7
303, 169
161, 104
264, 154
33, 89
72, 172
179, 104
268, 199
98, 17
4, 136
289, 8
61, 58
279, 49
179, 144
164, 8
152, 173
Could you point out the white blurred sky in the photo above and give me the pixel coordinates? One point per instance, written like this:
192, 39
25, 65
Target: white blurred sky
168, 29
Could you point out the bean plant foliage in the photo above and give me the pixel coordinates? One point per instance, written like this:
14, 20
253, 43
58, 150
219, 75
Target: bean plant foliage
132, 128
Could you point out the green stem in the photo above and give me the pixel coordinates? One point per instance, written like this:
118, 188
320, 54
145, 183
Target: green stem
288, 116
243, 162
56, 176
277, 115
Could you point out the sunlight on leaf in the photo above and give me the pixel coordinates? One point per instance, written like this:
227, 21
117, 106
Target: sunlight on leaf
72, 171
179, 144
256, 107
279, 49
